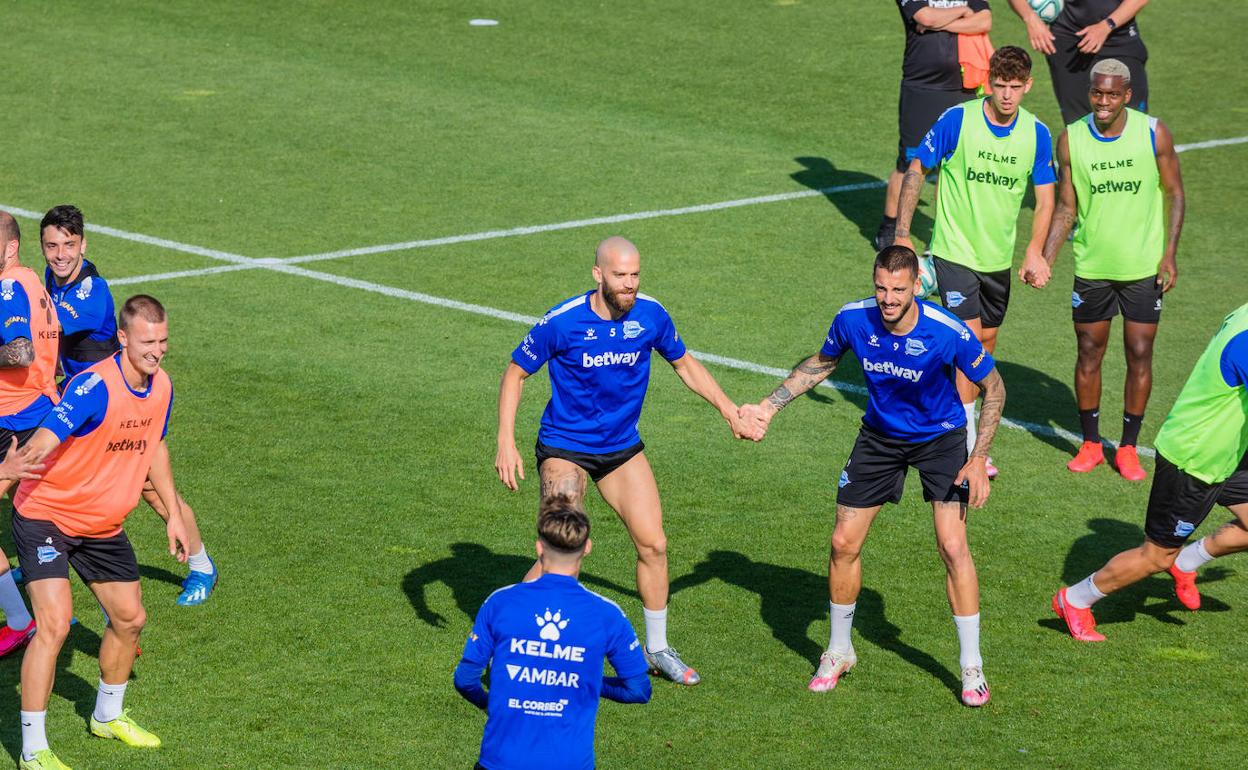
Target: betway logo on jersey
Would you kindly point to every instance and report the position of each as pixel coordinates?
(126, 445)
(547, 650)
(888, 367)
(1127, 185)
(988, 177)
(609, 359)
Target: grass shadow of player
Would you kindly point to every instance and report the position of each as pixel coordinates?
(856, 195)
(160, 574)
(791, 600)
(473, 572)
(68, 685)
(1108, 538)
(1037, 398)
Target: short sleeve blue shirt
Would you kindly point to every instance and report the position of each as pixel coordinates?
(1234, 361)
(942, 140)
(910, 377)
(599, 371)
(15, 323)
(87, 314)
(545, 642)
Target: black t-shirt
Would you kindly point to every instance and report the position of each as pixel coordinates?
(931, 58)
(1077, 14)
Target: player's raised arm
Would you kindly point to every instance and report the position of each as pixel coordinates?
(1066, 205)
(1172, 190)
(699, 380)
(507, 461)
(804, 376)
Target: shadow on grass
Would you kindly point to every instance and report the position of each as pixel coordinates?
(473, 572)
(1036, 397)
(862, 204)
(794, 599)
(160, 574)
(1108, 538)
(68, 685)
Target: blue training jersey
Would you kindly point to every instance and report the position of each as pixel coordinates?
(910, 377)
(599, 371)
(84, 306)
(545, 642)
(83, 405)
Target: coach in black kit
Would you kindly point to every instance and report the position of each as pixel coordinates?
(1085, 32)
(931, 81)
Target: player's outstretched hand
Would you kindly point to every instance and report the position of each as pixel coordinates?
(1092, 37)
(975, 473)
(742, 427)
(1167, 273)
(509, 465)
(1035, 271)
(1040, 35)
(16, 464)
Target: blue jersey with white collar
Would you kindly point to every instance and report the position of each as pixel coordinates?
(910, 377)
(544, 642)
(84, 306)
(599, 371)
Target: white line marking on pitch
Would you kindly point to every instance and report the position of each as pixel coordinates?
(240, 262)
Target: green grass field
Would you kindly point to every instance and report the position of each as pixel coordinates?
(336, 436)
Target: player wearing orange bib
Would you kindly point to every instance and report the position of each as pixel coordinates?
(100, 442)
(28, 352)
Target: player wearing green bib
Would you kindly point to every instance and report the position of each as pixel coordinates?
(1200, 463)
(986, 150)
(1120, 179)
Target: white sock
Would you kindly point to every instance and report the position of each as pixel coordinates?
(108, 701)
(34, 735)
(11, 602)
(1193, 557)
(200, 562)
(970, 426)
(656, 629)
(968, 640)
(842, 623)
(1083, 594)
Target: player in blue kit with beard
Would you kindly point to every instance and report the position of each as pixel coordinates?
(597, 349)
(544, 642)
(909, 350)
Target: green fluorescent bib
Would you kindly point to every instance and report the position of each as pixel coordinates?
(981, 190)
(1206, 433)
(1120, 236)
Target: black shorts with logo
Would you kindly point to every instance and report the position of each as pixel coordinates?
(597, 466)
(7, 435)
(918, 109)
(876, 470)
(46, 552)
(1100, 300)
(970, 294)
(1178, 503)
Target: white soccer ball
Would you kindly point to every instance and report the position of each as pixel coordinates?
(1047, 10)
(927, 276)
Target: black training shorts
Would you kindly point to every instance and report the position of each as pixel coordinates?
(970, 294)
(7, 435)
(597, 466)
(1177, 504)
(1235, 489)
(46, 552)
(876, 471)
(917, 111)
(1099, 300)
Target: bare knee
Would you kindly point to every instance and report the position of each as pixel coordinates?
(652, 549)
(52, 628)
(1091, 352)
(130, 621)
(845, 548)
(954, 551)
(1139, 354)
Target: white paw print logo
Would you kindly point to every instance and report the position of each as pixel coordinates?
(551, 625)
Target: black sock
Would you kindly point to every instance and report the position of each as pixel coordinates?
(888, 221)
(1090, 424)
(1131, 428)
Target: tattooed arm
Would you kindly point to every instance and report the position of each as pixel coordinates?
(807, 375)
(17, 354)
(911, 187)
(975, 472)
(1065, 210)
